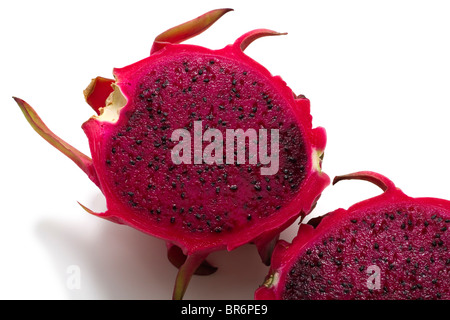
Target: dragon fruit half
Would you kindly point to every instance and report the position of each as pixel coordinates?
(161, 175)
(388, 247)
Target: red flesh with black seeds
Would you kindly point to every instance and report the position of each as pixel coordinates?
(199, 208)
(404, 239)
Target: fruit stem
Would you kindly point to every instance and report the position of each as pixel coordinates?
(185, 273)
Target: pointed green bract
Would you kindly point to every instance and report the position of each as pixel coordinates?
(81, 160)
(185, 274)
(178, 258)
(188, 29)
(245, 40)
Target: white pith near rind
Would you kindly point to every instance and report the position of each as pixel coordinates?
(273, 280)
(114, 103)
(317, 157)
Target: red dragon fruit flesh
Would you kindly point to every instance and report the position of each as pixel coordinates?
(390, 247)
(157, 157)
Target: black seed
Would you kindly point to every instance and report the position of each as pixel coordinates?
(233, 187)
(353, 221)
(221, 107)
(375, 245)
(132, 162)
(257, 187)
(433, 217)
(138, 141)
(108, 161)
(218, 229)
(204, 99)
(172, 220)
(130, 193)
(403, 226)
(249, 217)
(200, 72)
(156, 168)
(361, 268)
(217, 189)
(268, 188)
(183, 195)
(444, 229)
(234, 82)
(211, 62)
(198, 216)
(113, 150)
(194, 79)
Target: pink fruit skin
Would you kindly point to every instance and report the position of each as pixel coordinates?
(195, 246)
(285, 254)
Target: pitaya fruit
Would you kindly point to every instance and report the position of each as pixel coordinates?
(388, 247)
(205, 206)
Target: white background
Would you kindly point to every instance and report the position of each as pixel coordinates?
(377, 74)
